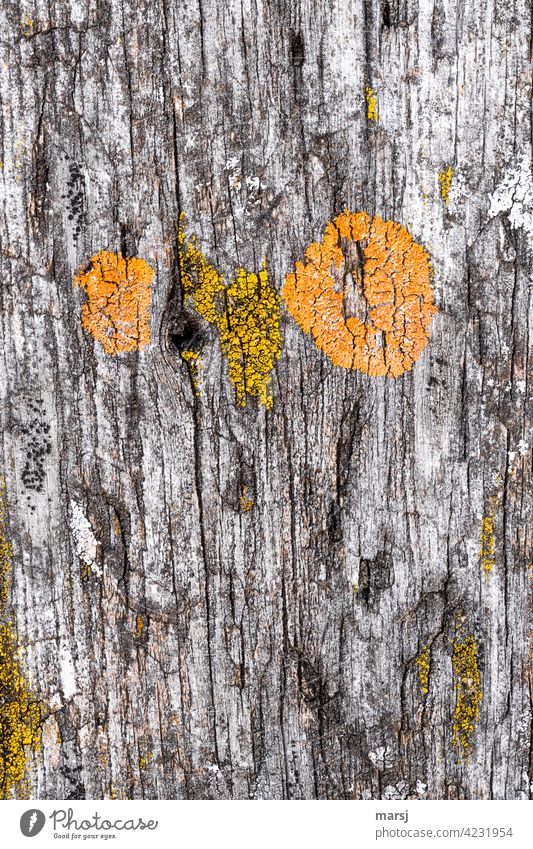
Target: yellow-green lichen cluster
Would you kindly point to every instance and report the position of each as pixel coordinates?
(468, 692)
(371, 104)
(424, 665)
(246, 314)
(487, 540)
(145, 760)
(20, 713)
(445, 183)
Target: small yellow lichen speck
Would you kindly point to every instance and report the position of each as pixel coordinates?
(20, 728)
(26, 26)
(145, 760)
(468, 692)
(424, 665)
(86, 571)
(246, 314)
(445, 182)
(487, 541)
(371, 104)
(20, 713)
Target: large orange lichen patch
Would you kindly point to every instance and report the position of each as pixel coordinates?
(364, 295)
(117, 312)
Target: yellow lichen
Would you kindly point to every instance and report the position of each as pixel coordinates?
(424, 665)
(487, 542)
(21, 718)
(117, 311)
(26, 26)
(114, 794)
(445, 182)
(6, 549)
(246, 314)
(371, 104)
(245, 502)
(468, 692)
(193, 360)
(139, 625)
(364, 295)
(20, 714)
(145, 760)
(86, 571)
(117, 527)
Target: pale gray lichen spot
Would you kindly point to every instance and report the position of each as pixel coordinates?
(85, 542)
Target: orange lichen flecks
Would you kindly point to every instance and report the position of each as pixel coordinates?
(364, 295)
(117, 311)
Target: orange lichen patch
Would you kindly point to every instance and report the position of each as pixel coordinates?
(364, 295)
(246, 314)
(117, 311)
(245, 502)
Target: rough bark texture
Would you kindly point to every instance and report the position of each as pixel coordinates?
(270, 652)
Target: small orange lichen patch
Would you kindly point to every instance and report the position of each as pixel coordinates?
(364, 295)
(117, 311)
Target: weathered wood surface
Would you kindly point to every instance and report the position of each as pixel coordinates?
(267, 653)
